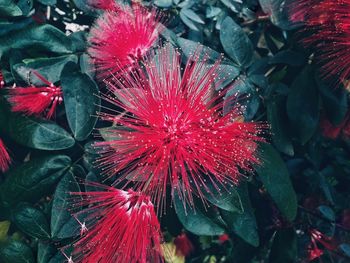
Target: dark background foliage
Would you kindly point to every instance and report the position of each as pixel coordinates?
(302, 185)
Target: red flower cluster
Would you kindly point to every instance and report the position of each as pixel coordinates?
(183, 245)
(2, 82)
(318, 238)
(327, 23)
(36, 100)
(174, 132)
(331, 131)
(122, 37)
(119, 226)
(4, 157)
(103, 4)
(168, 132)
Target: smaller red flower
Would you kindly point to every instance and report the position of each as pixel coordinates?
(327, 242)
(329, 130)
(121, 38)
(103, 4)
(314, 252)
(2, 82)
(36, 101)
(223, 238)
(183, 245)
(119, 226)
(5, 159)
(327, 27)
(332, 132)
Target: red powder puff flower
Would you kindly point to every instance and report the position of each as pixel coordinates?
(173, 132)
(331, 131)
(327, 23)
(121, 38)
(36, 100)
(2, 82)
(183, 245)
(103, 4)
(223, 238)
(119, 226)
(4, 157)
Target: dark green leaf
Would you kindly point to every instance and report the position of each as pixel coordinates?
(45, 252)
(227, 199)
(284, 247)
(31, 221)
(303, 105)
(50, 68)
(63, 224)
(335, 101)
(47, 2)
(80, 100)
(276, 116)
(16, 252)
(288, 57)
(327, 212)
(346, 249)
(275, 177)
(243, 224)
(236, 43)
(38, 134)
(198, 221)
(32, 180)
(43, 37)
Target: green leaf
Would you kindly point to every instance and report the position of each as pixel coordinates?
(335, 101)
(80, 100)
(236, 43)
(288, 57)
(9, 8)
(226, 199)
(198, 221)
(32, 132)
(303, 105)
(31, 221)
(32, 180)
(8, 26)
(276, 116)
(43, 37)
(284, 247)
(63, 224)
(16, 252)
(243, 224)
(49, 68)
(275, 177)
(4, 228)
(228, 71)
(45, 252)
(47, 2)
(163, 3)
(345, 248)
(278, 11)
(187, 20)
(38, 133)
(327, 212)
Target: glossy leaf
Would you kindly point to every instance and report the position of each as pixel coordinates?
(243, 224)
(198, 221)
(16, 252)
(275, 177)
(31, 221)
(236, 43)
(63, 224)
(32, 180)
(80, 100)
